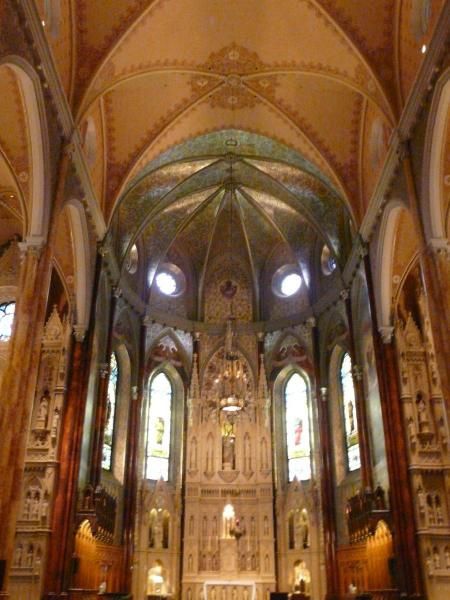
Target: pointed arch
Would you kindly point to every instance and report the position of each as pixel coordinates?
(82, 255)
(38, 217)
(437, 127)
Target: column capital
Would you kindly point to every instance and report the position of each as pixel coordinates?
(386, 333)
(79, 331)
(440, 246)
(32, 245)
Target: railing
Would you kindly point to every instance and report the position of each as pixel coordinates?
(364, 510)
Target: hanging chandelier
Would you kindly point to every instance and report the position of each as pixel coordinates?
(231, 383)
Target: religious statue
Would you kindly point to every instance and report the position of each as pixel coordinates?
(42, 412)
(18, 554)
(159, 430)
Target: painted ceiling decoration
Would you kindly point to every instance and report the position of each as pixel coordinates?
(298, 98)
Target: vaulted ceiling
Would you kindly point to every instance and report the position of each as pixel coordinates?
(281, 109)
(327, 78)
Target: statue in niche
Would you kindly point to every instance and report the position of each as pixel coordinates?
(228, 448)
(245, 594)
(266, 563)
(234, 593)
(214, 527)
(189, 594)
(421, 498)
(436, 558)
(205, 526)
(18, 556)
(42, 412)
(266, 525)
(447, 557)
(27, 505)
(35, 506)
(422, 413)
(252, 527)
(30, 556)
(223, 593)
(44, 508)
(55, 424)
(190, 562)
(213, 593)
(191, 525)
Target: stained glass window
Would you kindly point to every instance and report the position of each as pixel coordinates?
(7, 310)
(350, 420)
(297, 428)
(108, 438)
(158, 428)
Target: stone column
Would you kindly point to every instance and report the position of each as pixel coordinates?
(401, 500)
(326, 475)
(360, 401)
(131, 461)
(102, 397)
(61, 544)
(18, 391)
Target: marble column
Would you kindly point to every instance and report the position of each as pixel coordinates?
(360, 401)
(326, 475)
(131, 461)
(18, 390)
(408, 571)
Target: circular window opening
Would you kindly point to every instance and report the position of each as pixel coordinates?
(132, 260)
(170, 280)
(327, 260)
(286, 281)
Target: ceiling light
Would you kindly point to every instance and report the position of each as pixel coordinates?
(424, 48)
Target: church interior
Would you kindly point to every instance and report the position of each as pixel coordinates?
(225, 299)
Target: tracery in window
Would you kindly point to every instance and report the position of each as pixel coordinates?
(108, 438)
(7, 310)
(350, 420)
(158, 428)
(297, 428)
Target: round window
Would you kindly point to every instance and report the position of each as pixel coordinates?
(170, 280)
(327, 261)
(286, 281)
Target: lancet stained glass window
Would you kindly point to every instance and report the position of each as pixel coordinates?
(350, 420)
(108, 438)
(7, 310)
(297, 428)
(158, 428)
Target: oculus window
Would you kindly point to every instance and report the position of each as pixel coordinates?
(7, 310)
(108, 439)
(349, 410)
(170, 280)
(158, 428)
(298, 434)
(286, 281)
